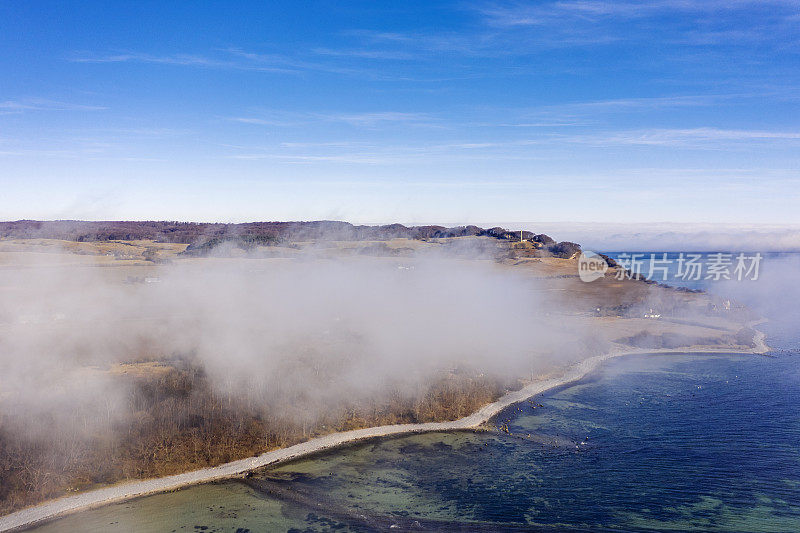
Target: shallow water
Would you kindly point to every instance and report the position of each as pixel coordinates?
(646, 443)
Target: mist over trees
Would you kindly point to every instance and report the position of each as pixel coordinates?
(104, 380)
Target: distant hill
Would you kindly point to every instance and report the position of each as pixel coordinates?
(203, 236)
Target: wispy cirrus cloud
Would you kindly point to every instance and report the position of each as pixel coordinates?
(577, 113)
(232, 58)
(366, 119)
(544, 13)
(177, 59)
(225, 61)
(710, 22)
(432, 44)
(540, 149)
(299, 159)
(655, 102)
(520, 29)
(598, 112)
(43, 104)
(375, 118)
(261, 121)
(551, 116)
(593, 112)
(80, 151)
(366, 53)
(504, 32)
(691, 137)
(378, 153)
(699, 138)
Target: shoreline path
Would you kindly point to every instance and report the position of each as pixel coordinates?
(52, 509)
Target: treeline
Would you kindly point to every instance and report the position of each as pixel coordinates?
(203, 237)
(175, 422)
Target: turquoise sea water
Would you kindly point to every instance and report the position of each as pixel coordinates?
(646, 443)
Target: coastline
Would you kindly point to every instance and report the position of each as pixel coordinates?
(54, 509)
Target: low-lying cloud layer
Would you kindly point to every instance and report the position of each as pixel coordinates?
(308, 334)
(674, 237)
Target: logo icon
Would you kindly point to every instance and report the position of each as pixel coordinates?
(591, 266)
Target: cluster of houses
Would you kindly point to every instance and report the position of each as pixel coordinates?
(139, 279)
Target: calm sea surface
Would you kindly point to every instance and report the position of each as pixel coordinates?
(647, 443)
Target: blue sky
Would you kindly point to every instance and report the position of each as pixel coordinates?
(417, 112)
